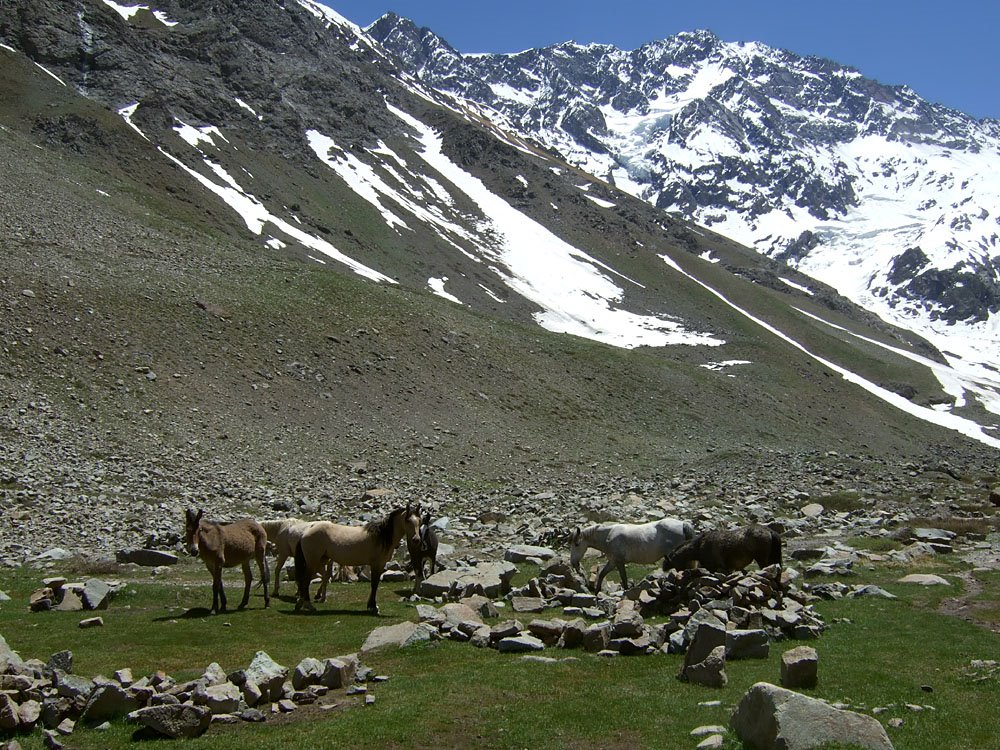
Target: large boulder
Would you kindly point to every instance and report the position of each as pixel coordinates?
(267, 675)
(771, 718)
(178, 720)
(489, 579)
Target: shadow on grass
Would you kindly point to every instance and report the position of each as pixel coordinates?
(197, 613)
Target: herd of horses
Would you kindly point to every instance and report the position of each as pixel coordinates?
(316, 545)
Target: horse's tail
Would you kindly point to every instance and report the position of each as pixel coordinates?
(302, 575)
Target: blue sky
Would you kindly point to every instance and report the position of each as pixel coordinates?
(943, 50)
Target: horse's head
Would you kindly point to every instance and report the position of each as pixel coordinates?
(411, 526)
(192, 520)
(577, 546)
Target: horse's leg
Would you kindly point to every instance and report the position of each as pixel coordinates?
(247, 582)
(279, 563)
(623, 574)
(218, 593)
(433, 562)
(600, 576)
(264, 574)
(327, 575)
(376, 576)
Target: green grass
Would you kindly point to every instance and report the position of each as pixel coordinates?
(876, 653)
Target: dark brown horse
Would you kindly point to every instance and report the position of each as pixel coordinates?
(226, 545)
(424, 549)
(372, 544)
(723, 551)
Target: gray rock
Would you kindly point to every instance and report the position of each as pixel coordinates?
(711, 671)
(92, 622)
(150, 558)
(491, 580)
(96, 594)
(10, 716)
(219, 699)
(924, 579)
(309, 671)
(527, 604)
(268, 675)
(10, 661)
(178, 721)
(519, 644)
(61, 660)
(707, 638)
(772, 718)
(747, 644)
(799, 667)
(525, 552)
(400, 635)
(339, 672)
(110, 702)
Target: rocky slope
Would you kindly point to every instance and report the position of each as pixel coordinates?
(247, 262)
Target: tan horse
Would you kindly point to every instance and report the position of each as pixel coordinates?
(284, 534)
(372, 544)
(226, 545)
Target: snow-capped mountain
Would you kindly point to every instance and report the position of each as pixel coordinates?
(891, 199)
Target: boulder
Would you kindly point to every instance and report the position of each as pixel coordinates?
(526, 552)
(10, 716)
(110, 702)
(219, 699)
(924, 579)
(799, 667)
(308, 672)
(178, 721)
(519, 644)
(10, 662)
(96, 594)
(747, 644)
(491, 580)
(267, 674)
(339, 672)
(711, 671)
(400, 635)
(150, 558)
(771, 718)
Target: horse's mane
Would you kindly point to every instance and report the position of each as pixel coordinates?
(382, 529)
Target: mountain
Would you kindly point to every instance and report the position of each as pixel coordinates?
(889, 198)
(238, 239)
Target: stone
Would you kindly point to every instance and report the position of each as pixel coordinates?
(308, 672)
(526, 552)
(799, 667)
(519, 644)
(61, 660)
(711, 671)
(92, 622)
(771, 718)
(455, 613)
(219, 699)
(268, 675)
(712, 742)
(597, 636)
(10, 661)
(400, 635)
(547, 631)
(812, 510)
(71, 602)
(491, 580)
(110, 702)
(96, 594)
(924, 579)
(871, 590)
(747, 644)
(30, 712)
(150, 558)
(214, 674)
(707, 638)
(178, 721)
(10, 716)
(339, 672)
(527, 604)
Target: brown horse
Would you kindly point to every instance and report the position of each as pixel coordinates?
(372, 544)
(723, 551)
(226, 545)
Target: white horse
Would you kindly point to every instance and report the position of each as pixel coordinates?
(284, 534)
(628, 542)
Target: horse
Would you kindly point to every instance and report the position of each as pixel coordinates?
(425, 548)
(284, 534)
(725, 551)
(372, 544)
(628, 542)
(226, 545)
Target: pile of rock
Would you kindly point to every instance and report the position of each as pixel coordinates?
(59, 594)
(748, 609)
(48, 695)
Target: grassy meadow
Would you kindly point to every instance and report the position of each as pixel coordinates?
(876, 653)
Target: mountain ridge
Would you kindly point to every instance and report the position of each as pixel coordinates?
(243, 196)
